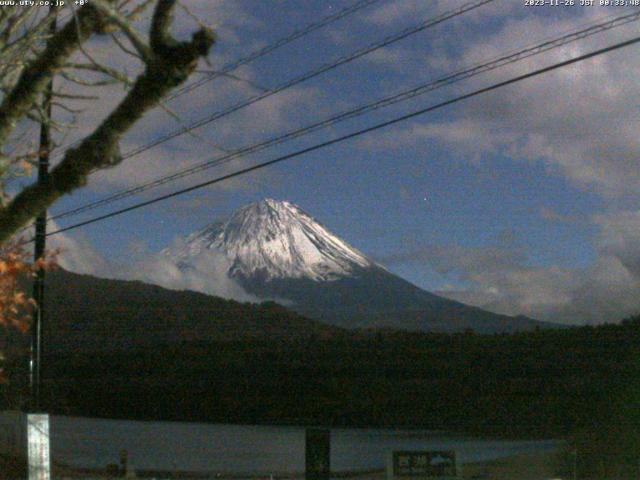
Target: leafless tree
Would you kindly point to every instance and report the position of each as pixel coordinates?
(31, 55)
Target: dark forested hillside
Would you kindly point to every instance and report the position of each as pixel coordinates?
(213, 360)
(375, 298)
(87, 313)
(545, 383)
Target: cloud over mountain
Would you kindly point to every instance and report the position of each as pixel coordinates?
(502, 278)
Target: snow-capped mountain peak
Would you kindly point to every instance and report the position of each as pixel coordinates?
(273, 239)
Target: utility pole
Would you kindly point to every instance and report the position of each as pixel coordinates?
(35, 366)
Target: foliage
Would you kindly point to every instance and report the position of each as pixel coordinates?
(15, 304)
(165, 62)
(38, 45)
(207, 359)
(549, 383)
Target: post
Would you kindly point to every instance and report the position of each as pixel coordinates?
(38, 446)
(35, 365)
(25, 436)
(317, 454)
(37, 423)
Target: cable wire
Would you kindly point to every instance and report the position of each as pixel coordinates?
(227, 69)
(274, 46)
(359, 111)
(355, 134)
(311, 74)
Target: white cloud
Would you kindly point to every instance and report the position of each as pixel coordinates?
(78, 256)
(501, 278)
(73, 253)
(391, 57)
(620, 238)
(250, 125)
(577, 120)
(392, 13)
(209, 275)
(228, 18)
(552, 215)
(399, 11)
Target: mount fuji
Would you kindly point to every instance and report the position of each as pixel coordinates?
(273, 249)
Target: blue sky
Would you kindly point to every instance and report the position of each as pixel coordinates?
(523, 201)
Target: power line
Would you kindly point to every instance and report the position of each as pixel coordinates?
(227, 69)
(358, 133)
(311, 74)
(307, 76)
(274, 46)
(353, 113)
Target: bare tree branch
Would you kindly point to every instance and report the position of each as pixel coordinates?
(123, 47)
(137, 10)
(136, 40)
(170, 64)
(86, 83)
(74, 96)
(35, 77)
(111, 72)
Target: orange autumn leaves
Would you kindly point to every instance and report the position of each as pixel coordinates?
(15, 271)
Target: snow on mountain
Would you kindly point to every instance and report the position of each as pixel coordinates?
(269, 240)
(274, 250)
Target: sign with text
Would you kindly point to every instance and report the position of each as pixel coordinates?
(423, 464)
(26, 436)
(38, 446)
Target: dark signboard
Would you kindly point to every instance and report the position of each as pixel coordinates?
(424, 464)
(317, 454)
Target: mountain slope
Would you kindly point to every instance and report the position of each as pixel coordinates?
(88, 313)
(374, 298)
(275, 250)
